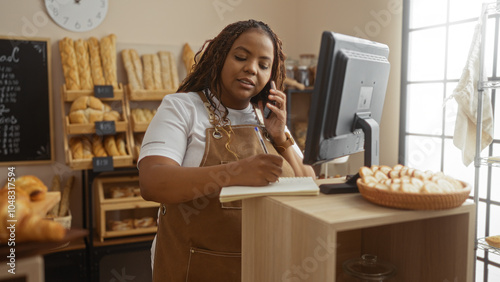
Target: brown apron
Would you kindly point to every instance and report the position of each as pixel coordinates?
(200, 240)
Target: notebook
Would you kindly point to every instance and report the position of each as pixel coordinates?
(296, 186)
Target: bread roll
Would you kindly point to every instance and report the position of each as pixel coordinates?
(493, 241)
(108, 57)
(133, 81)
(95, 61)
(85, 116)
(156, 71)
(84, 102)
(83, 61)
(188, 57)
(120, 144)
(110, 145)
(87, 148)
(147, 62)
(76, 147)
(97, 147)
(69, 64)
(32, 185)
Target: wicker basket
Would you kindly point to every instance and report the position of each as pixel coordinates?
(414, 201)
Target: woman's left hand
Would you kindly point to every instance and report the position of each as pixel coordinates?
(275, 124)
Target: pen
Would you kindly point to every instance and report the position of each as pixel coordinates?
(261, 140)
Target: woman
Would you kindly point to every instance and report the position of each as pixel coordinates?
(203, 138)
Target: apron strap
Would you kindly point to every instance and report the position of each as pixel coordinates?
(211, 114)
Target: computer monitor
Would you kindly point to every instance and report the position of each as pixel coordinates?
(347, 100)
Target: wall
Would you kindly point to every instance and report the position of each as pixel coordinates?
(153, 23)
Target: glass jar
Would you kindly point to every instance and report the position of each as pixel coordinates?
(366, 269)
(290, 67)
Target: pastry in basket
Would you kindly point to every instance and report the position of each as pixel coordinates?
(409, 180)
(120, 225)
(89, 109)
(493, 241)
(144, 222)
(29, 226)
(121, 192)
(30, 184)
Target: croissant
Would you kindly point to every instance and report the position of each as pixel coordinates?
(29, 226)
(32, 185)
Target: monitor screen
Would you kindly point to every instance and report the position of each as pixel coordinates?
(347, 100)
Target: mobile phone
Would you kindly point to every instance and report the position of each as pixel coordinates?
(265, 99)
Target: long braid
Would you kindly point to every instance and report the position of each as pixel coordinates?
(209, 60)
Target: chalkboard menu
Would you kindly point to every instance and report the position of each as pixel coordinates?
(25, 101)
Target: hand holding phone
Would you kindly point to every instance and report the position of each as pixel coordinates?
(267, 111)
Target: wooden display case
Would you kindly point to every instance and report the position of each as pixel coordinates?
(120, 209)
(117, 102)
(141, 98)
(309, 237)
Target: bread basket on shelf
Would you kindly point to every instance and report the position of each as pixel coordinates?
(414, 201)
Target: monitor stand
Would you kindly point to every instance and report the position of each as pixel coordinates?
(371, 130)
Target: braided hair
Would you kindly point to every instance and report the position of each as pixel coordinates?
(209, 60)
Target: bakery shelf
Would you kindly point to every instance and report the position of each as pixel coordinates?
(490, 161)
(71, 95)
(481, 244)
(71, 128)
(84, 164)
(123, 189)
(148, 95)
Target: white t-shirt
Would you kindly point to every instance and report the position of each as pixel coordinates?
(177, 131)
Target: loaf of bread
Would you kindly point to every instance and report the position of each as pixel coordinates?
(121, 192)
(69, 63)
(493, 241)
(110, 145)
(97, 147)
(158, 84)
(404, 179)
(148, 77)
(31, 185)
(29, 226)
(76, 147)
(136, 60)
(83, 62)
(108, 58)
(133, 80)
(144, 222)
(120, 144)
(173, 71)
(89, 109)
(120, 225)
(165, 70)
(188, 57)
(95, 61)
(87, 148)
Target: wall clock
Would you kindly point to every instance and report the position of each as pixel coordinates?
(77, 15)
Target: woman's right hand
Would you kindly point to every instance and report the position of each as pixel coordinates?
(258, 170)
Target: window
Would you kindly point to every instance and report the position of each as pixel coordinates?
(437, 35)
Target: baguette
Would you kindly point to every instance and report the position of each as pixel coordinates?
(156, 72)
(136, 60)
(64, 206)
(133, 81)
(95, 62)
(110, 145)
(166, 76)
(83, 62)
(188, 57)
(87, 148)
(97, 147)
(108, 57)
(120, 144)
(173, 71)
(147, 61)
(56, 187)
(76, 147)
(69, 64)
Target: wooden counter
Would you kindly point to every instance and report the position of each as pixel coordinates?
(307, 238)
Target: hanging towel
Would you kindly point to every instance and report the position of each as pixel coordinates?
(466, 95)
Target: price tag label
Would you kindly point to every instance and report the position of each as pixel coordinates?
(102, 164)
(103, 91)
(105, 128)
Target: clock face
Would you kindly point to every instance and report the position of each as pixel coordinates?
(77, 15)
